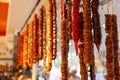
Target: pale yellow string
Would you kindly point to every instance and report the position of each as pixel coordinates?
(112, 7)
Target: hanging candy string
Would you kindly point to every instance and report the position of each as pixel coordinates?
(64, 44)
(75, 24)
(54, 30)
(49, 35)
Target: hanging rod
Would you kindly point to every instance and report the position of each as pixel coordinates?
(29, 15)
(103, 2)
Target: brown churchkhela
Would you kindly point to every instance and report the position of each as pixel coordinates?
(83, 70)
(115, 46)
(96, 23)
(92, 66)
(64, 50)
(96, 34)
(87, 33)
(68, 12)
(109, 49)
(40, 34)
(69, 19)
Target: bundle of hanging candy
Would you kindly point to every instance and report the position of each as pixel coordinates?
(35, 25)
(25, 49)
(30, 45)
(44, 36)
(40, 34)
(20, 51)
(96, 34)
(54, 30)
(87, 33)
(92, 66)
(109, 49)
(115, 46)
(64, 51)
(83, 70)
(69, 19)
(75, 24)
(27, 54)
(49, 35)
(64, 47)
(96, 23)
(36, 37)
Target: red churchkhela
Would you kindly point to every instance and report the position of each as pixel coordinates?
(75, 24)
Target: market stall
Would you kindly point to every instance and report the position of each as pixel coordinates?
(66, 32)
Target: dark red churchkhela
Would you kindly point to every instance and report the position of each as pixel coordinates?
(109, 49)
(75, 24)
(96, 23)
(115, 46)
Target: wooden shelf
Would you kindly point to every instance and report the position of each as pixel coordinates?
(6, 58)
